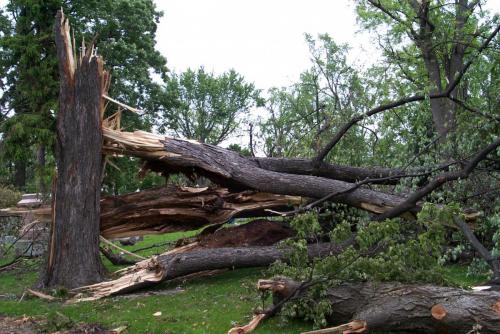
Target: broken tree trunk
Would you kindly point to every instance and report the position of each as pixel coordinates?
(184, 261)
(230, 169)
(73, 257)
(403, 308)
(173, 209)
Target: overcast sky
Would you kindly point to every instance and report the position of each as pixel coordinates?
(261, 39)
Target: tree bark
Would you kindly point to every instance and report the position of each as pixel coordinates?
(404, 308)
(42, 186)
(188, 260)
(173, 209)
(73, 257)
(328, 170)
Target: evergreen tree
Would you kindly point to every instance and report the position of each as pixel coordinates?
(124, 32)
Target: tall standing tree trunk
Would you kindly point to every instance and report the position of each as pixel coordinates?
(73, 258)
(443, 115)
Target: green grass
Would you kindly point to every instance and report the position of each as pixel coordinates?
(456, 274)
(207, 305)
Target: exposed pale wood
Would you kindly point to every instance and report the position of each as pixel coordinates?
(355, 326)
(109, 243)
(41, 295)
(122, 104)
(248, 328)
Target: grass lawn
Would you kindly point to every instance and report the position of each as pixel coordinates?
(203, 305)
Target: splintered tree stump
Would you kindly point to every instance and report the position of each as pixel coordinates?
(73, 258)
(402, 308)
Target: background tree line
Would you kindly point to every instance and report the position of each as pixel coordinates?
(195, 104)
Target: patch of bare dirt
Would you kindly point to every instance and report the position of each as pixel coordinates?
(29, 325)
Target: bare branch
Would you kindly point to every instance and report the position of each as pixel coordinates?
(356, 119)
(412, 200)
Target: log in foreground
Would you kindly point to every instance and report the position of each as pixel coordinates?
(188, 260)
(230, 169)
(400, 308)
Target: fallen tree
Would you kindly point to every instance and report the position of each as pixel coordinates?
(229, 169)
(188, 259)
(171, 209)
(259, 232)
(395, 307)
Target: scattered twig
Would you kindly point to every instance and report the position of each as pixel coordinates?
(153, 246)
(41, 295)
(109, 243)
(122, 104)
(115, 259)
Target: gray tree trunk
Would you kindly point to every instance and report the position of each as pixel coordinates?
(73, 258)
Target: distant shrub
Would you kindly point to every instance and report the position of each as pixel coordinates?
(8, 196)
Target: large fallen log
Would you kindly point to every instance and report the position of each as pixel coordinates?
(230, 169)
(401, 308)
(188, 260)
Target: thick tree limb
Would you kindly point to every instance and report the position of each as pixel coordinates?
(330, 171)
(184, 261)
(493, 262)
(173, 209)
(228, 168)
(404, 308)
